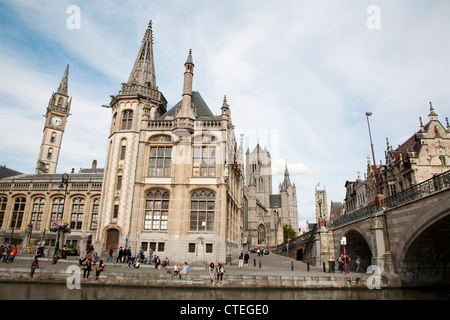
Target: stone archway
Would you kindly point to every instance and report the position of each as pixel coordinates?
(112, 238)
(426, 259)
(357, 246)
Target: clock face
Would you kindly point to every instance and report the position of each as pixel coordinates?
(56, 121)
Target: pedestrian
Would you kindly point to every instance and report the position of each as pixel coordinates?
(358, 265)
(88, 267)
(211, 271)
(341, 263)
(220, 272)
(241, 260)
(157, 262)
(246, 258)
(131, 261)
(120, 255)
(128, 254)
(34, 265)
(150, 256)
(99, 269)
(110, 254)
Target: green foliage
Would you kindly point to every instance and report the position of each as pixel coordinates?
(288, 232)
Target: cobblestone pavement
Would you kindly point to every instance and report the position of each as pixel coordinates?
(267, 265)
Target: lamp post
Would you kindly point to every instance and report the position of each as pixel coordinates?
(343, 243)
(64, 183)
(377, 172)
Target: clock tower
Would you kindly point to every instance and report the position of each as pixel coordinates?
(55, 122)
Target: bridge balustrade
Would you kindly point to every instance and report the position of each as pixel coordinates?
(423, 189)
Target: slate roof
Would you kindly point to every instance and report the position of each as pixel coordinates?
(202, 110)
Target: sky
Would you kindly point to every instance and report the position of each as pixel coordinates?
(299, 76)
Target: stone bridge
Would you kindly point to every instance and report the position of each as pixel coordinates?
(409, 236)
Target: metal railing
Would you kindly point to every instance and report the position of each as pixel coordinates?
(423, 189)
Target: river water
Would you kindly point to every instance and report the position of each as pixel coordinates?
(33, 291)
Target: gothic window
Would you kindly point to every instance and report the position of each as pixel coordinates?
(127, 119)
(57, 209)
(94, 213)
(3, 201)
(202, 211)
(160, 161)
(261, 234)
(76, 219)
(204, 161)
(156, 210)
(119, 182)
(38, 211)
(18, 210)
(49, 153)
(53, 137)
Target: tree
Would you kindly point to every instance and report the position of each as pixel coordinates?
(288, 233)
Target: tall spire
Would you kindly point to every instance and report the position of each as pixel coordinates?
(63, 86)
(186, 110)
(143, 72)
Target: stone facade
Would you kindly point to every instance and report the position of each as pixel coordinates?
(265, 213)
(172, 181)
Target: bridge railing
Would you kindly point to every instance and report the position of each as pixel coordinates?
(423, 189)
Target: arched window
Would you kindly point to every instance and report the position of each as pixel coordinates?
(18, 210)
(94, 213)
(261, 234)
(57, 209)
(156, 210)
(76, 219)
(202, 211)
(3, 202)
(127, 119)
(38, 211)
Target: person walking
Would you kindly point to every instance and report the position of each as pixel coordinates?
(34, 265)
(358, 265)
(246, 258)
(120, 255)
(241, 260)
(110, 254)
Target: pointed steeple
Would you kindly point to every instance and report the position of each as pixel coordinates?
(432, 115)
(186, 110)
(63, 86)
(287, 181)
(143, 72)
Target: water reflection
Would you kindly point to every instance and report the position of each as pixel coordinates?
(32, 291)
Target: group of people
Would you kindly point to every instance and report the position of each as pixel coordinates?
(243, 260)
(87, 260)
(216, 272)
(125, 255)
(8, 253)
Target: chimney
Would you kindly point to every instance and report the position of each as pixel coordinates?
(94, 166)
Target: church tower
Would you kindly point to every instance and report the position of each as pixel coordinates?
(259, 173)
(55, 123)
(138, 101)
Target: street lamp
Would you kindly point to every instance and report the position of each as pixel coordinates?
(378, 196)
(64, 183)
(343, 243)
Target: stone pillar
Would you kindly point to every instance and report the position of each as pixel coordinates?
(381, 256)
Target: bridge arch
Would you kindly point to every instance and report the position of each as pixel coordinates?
(425, 259)
(357, 246)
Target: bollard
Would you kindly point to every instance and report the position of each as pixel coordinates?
(260, 264)
(292, 265)
(254, 263)
(307, 266)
